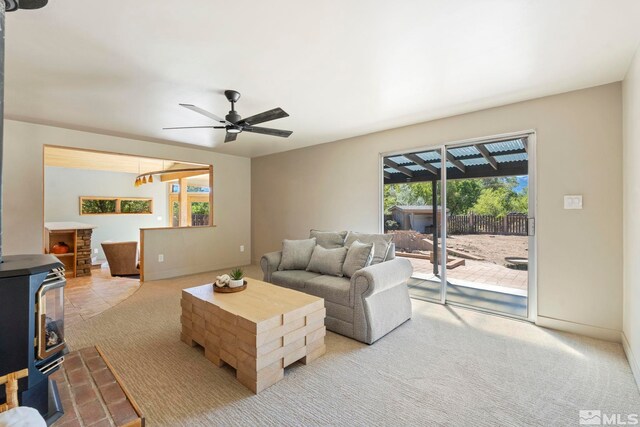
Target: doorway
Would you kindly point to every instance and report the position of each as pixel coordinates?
(464, 215)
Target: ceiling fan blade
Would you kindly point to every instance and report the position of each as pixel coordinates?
(196, 127)
(230, 137)
(268, 131)
(276, 113)
(205, 113)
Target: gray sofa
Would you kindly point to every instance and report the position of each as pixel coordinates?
(365, 307)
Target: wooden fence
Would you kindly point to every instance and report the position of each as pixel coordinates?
(512, 224)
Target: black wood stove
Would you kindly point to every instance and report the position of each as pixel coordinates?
(32, 328)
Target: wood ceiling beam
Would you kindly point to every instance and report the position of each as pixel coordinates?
(457, 163)
(179, 175)
(418, 161)
(487, 156)
(393, 165)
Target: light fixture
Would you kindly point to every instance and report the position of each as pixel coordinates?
(234, 130)
(142, 178)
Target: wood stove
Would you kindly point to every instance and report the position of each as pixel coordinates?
(32, 328)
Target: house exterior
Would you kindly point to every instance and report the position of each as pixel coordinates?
(417, 218)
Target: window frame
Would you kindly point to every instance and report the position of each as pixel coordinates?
(118, 205)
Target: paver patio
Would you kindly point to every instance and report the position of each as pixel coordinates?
(481, 272)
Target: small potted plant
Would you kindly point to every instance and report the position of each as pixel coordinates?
(237, 276)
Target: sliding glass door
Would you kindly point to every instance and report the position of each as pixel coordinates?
(465, 219)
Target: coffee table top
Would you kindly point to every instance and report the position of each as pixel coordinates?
(261, 301)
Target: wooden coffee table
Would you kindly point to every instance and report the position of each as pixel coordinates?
(258, 331)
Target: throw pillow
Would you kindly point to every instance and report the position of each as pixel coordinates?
(359, 256)
(296, 254)
(381, 244)
(329, 239)
(327, 261)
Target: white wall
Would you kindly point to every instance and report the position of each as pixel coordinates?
(631, 190)
(579, 134)
(63, 188)
(213, 248)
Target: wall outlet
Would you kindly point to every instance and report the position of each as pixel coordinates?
(573, 201)
(241, 248)
(161, 258)
(95, 251)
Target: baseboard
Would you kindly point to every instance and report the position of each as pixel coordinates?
(633, 362)
(189, 271)
(580, 329)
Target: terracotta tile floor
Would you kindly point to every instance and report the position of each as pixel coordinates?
(478, 272)
(86, 297)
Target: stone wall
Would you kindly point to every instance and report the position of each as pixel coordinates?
(83, 256)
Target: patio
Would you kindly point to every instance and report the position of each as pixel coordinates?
(475, 273)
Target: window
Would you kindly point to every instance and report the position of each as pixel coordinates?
(115, 205)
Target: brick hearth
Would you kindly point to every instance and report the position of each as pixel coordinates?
(91, 393)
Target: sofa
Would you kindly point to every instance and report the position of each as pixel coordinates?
(366, 306)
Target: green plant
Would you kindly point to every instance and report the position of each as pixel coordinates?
(237, 274)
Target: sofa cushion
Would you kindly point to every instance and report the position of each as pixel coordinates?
(358, 256)
(329, 239)
(296, 254)
(332, 288)
(292, 279)
(327, 261)
(381, 244)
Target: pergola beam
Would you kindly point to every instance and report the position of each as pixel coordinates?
(487, 156)
(418, 161)
(387, 175)
(393, 165)
(457, 163)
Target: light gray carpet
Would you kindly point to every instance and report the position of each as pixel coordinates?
(446, 366)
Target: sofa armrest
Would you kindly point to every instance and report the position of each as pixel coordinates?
(269, 263)
(380, 277)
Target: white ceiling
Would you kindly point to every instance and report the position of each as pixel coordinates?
(339, 68)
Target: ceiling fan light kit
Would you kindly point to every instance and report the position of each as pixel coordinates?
(234, 124)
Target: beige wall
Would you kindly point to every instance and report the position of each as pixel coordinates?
(631, 150)
(579, 134)
(186, 250)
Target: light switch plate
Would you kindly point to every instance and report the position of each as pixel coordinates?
(573, 201)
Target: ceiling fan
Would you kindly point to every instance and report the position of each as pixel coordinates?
(234, 124)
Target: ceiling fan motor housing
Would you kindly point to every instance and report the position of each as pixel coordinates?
(233, 117)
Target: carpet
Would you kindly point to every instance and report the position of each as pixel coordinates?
(446, 366)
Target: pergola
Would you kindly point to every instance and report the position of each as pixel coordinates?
(497, 158)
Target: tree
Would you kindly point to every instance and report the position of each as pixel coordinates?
(462, 195)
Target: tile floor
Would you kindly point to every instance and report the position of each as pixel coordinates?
(88, 296)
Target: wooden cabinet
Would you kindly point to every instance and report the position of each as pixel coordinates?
(76, 235)
(70, 238)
